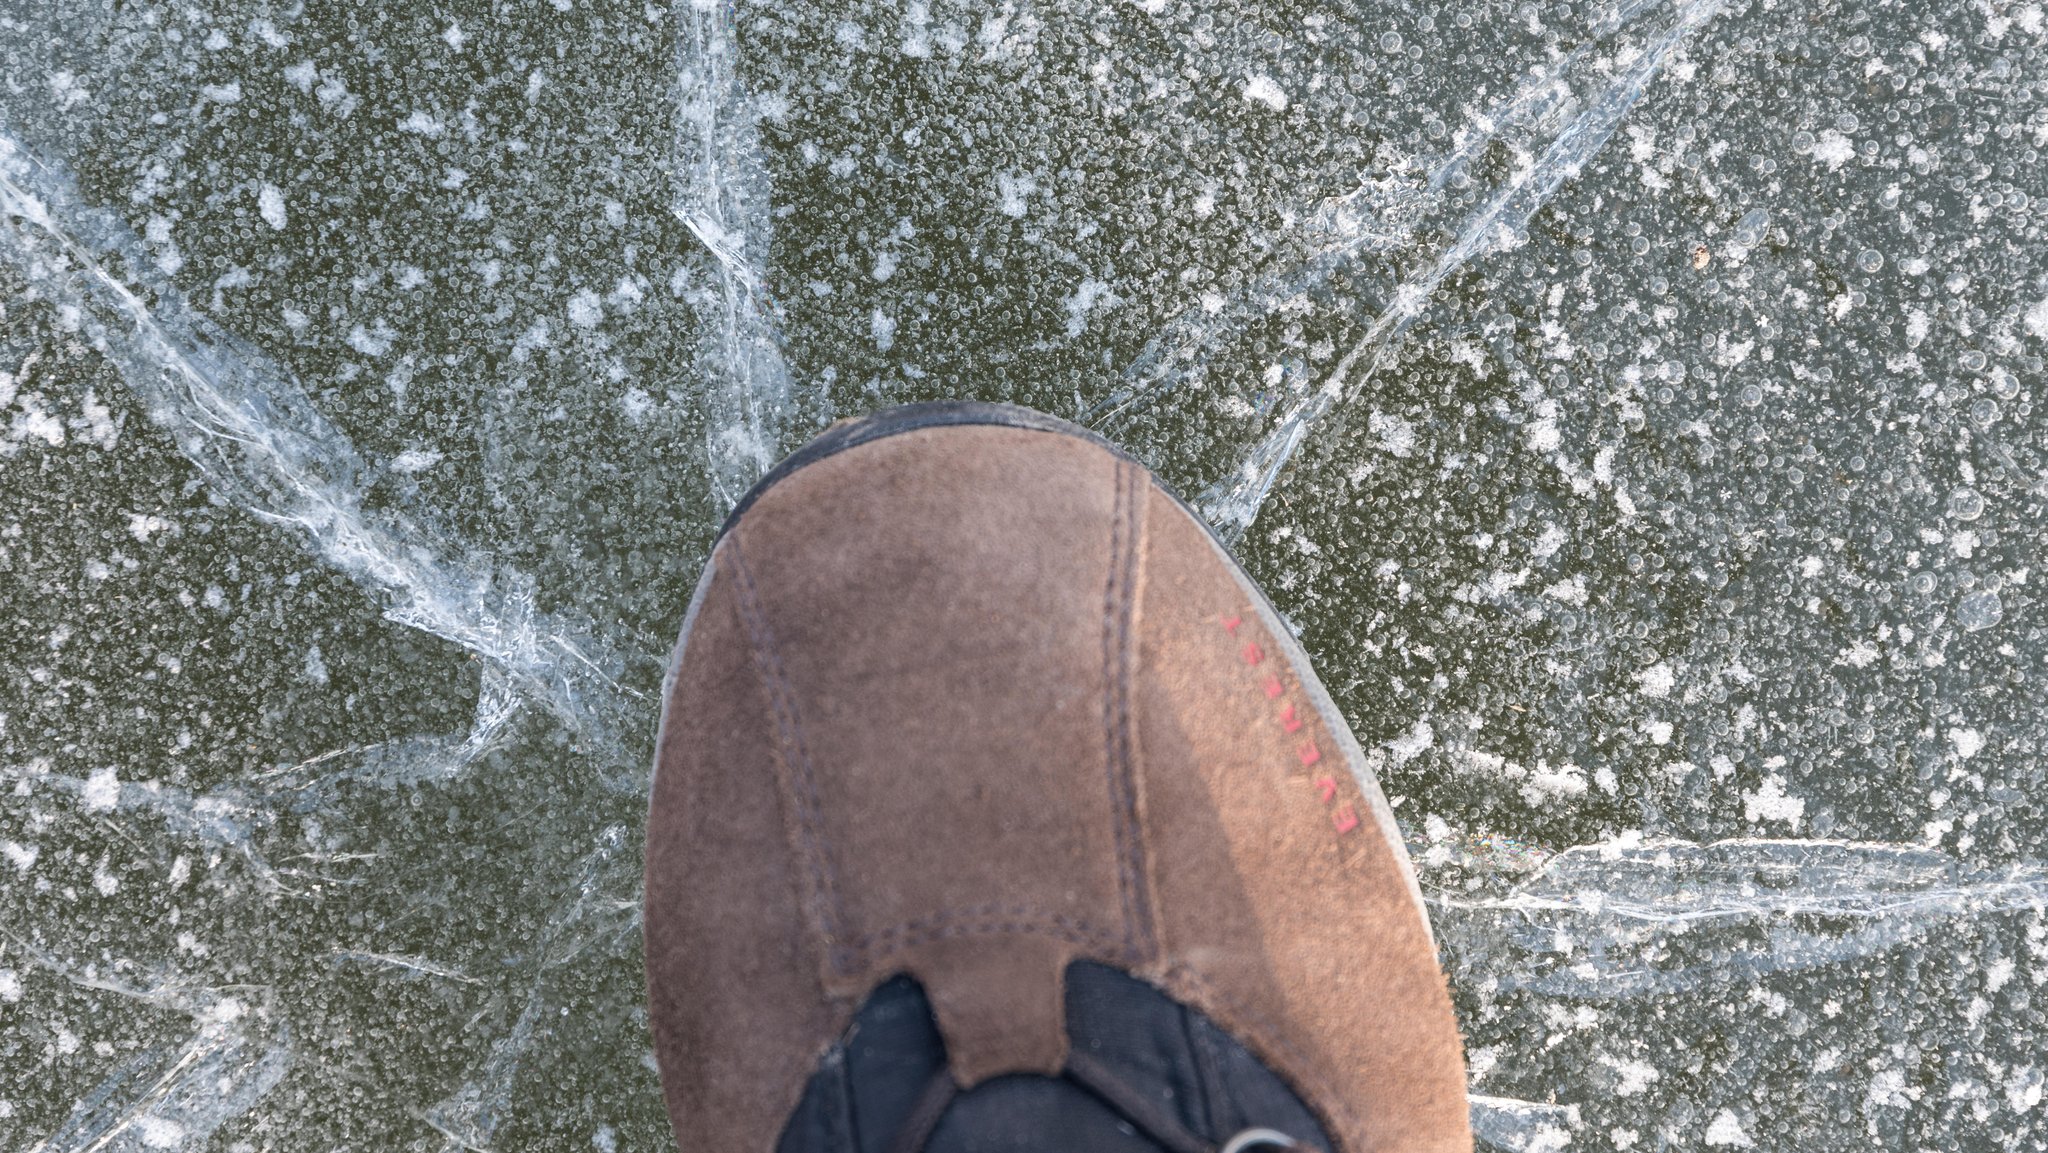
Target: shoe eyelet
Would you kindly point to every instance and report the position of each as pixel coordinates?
(1252, 1139)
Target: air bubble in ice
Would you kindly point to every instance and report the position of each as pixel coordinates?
(1965, 504)
(1870, 260)
(1749, 232)
(1979, 610)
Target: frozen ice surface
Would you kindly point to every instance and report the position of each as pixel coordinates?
(1633, 405)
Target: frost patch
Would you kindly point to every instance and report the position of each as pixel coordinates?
(1264, 90)
(1966, 742)
(2037, 320)
(68, 90)
(374, 340)
(102, 789)
(270, 206)
(1394, 434)
(22, 857)
(421, 124)
(1086, 298)
(585, 310)
(143, 527)
(1771, 803)
(160, 1132)
(1546, 784)
(1833, 149)
(1011, 192)
(1407, 747)
(415, 460)
(1724, 1129)
(1635, 1076)
(1656, 681)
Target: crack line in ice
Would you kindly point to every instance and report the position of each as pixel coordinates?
(468, 1117)
(722, 196)
(237, 1055)
(410, 964)
(1619, 920)
(262, 443)
(224, 820)
(1234, 502)
(1518, 1126)
(1379, 217)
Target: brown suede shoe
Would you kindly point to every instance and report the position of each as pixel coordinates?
(966, 695)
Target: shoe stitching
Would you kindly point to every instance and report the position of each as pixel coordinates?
(1120, 829)
(796, 758)
(1135, 481)
(898, 938)
(1119, 607)
(985, 913)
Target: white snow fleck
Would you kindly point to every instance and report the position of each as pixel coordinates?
(882, 327)
(229, 93)
(585, 310)
(1546, 784)
(1770, 803)
(1411, 744)
(1656, 681)
(22, 857)
(314, 669)
(1011, 191)
(1636, 1076)
(1090, 294)
(1726, 1130)
(422, 124)
(10, 986)
(104, 880)
(142, 527)
(1571, 592)
(1394, 434)
(1833, 149)
(270, 205)
(1966, 742)
(455, 37)
(374, 340)
(1264, 90)
(2037, 320)
(160, 1132)
(68, 90)
(102, 790)
(415, 460)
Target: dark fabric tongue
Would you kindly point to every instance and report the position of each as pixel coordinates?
(1145, 1074)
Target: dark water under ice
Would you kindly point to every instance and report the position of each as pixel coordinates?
(1634, 407)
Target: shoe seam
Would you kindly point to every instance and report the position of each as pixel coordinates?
(1118, 611)
(798, 775)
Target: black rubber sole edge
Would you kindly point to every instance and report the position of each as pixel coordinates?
(910, 418)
